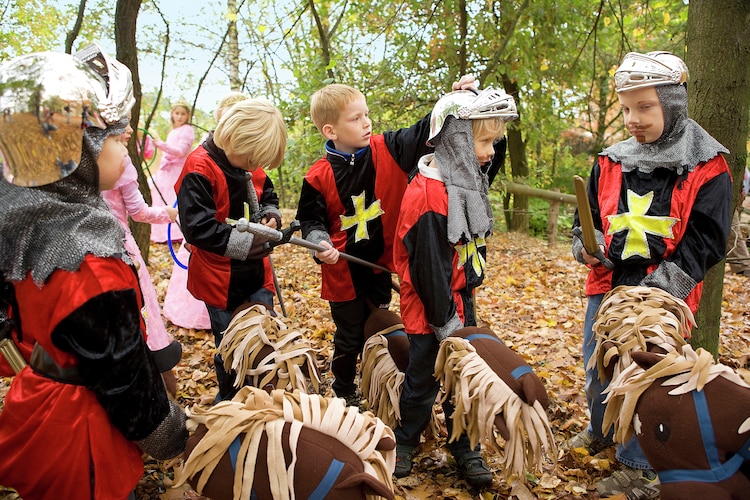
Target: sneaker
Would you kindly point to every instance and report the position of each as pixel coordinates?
(635, 484)
(404, 460)
(353, 399)
(585, 440)
(474, 470)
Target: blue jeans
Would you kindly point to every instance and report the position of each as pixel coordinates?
(419, 393)
(220, 319)
(630, 453)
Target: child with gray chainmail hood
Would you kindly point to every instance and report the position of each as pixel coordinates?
(91, 400)
(439, 254)
(661, 205)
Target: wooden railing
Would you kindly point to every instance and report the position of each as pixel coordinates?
(554, 197)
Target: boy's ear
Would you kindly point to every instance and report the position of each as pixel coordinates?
(328, 132)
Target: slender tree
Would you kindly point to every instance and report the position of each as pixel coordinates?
(126, 22)
(719, 99)
(70, 38)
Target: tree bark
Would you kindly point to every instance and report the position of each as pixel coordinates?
(519, 167)
(126, 22)
(70, 38)
(719, 99)
(233, 57)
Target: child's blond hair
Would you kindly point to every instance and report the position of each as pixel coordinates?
(494, 126)
(256, 128)
(326, 103)
(228, 101)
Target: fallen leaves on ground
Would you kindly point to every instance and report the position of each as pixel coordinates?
(532, 297)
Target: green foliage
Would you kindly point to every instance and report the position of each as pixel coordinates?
(28, 26)
(539, 217)
(402, 55)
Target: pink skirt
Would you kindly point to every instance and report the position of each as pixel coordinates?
(180, 307)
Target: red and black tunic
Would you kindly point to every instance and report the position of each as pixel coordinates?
(437, 277)
(209, 191)
(89, 321)
(651, 218)
(355, 199)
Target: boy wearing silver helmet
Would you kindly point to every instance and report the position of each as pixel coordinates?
(661, 203)
(77, 419)
(439, 253)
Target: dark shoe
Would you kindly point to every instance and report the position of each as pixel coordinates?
(585, 440)
(353, 399)
(404, 460)
(635, 484)
(474, 470)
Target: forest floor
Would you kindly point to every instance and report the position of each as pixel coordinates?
(532, 298)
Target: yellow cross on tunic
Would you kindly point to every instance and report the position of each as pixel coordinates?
(470, 251)
(361, 217)
(638, 224)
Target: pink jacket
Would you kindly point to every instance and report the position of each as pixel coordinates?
(125, 199)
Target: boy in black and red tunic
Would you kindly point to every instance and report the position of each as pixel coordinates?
(350, 202)
(439, 253)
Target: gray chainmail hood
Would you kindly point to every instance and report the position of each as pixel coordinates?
(55, 226)
(681, 147)
(469, 209)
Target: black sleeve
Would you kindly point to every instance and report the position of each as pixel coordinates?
(269, 203)
(115, 362)
(408, 145)
(197, 209)
(431, 267)
(311, 210)
(269, 196)
(592, 189)
(705, 240)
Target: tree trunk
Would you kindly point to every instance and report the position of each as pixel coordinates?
(70, 38)
(233, 57)
(519, 167)
(126, 22)
(719, 99)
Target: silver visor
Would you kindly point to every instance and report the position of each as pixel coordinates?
(47, 100)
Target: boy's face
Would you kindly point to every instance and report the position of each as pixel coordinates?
(353, 129)
(483, 146)
(111, 162)
(643, 115)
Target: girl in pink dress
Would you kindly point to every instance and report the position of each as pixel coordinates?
(178, 145)
(123, 200)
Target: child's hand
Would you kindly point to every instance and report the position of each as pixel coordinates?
(154, 136)
(330, 256)
(270, 222)
(590, 259)
(466, 82)
(172, 213)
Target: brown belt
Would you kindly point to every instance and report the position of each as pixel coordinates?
(43, 364)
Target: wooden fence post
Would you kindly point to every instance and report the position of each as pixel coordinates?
(554, 209)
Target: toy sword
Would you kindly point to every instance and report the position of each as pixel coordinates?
(277, 237)
(586, 231)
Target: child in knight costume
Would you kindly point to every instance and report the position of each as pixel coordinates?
(78, 418)
(349, 202)
(439, 253)
(224, 178)
(661, 205)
